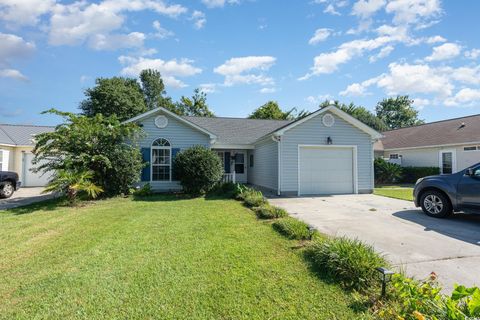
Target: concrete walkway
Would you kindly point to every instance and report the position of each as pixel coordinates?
(411, 240)
(24, 196)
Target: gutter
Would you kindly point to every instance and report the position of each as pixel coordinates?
(278, 140)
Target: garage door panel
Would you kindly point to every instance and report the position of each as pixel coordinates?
(326, 170)
(33, 179)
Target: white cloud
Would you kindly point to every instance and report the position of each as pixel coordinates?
(365, 8)
(435, 39)
(77, 22)
(218, 3)
(268, 90)
(331, 10)
(472, 54)
(467, 75)
(465, 97)
(208, 87)
(199, 19)
(316, 100)
(24, 12)
(246, 70)
(420, 103)
(170, 70)
(417, 12)
(116, 41)
(161, 32)
(320, 35)
(13, 74)
(384, 52)
(444, 52)
(355, 89)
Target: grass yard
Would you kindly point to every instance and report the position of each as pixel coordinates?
(397, 192)
(161, 258)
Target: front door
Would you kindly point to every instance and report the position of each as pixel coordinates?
(240, 166)
(469, 190)
(447, 162)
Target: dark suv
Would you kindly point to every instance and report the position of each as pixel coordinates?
(439, 196)
(8, 184)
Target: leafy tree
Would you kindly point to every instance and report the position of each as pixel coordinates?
(71, 183)
(360, 113)
(154, 90)
(118, 96)
(198, 168)
(271, 110)
(398, 112)
(95, 144)
(194, 106)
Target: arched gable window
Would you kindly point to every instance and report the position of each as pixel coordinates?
(161, 160)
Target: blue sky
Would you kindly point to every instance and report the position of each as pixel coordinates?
(243, 52)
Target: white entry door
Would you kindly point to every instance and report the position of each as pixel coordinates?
(326, 170)
(240, 166)
(30, 178)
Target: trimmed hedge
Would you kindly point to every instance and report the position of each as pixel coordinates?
(350, 261)
(293, 228)
(267, 211)
(412, 174)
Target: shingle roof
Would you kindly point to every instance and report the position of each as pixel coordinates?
(20, 135)
(452, 131)
(238, 130)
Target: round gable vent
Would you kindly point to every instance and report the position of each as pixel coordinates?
(328, 120)
(161, 122)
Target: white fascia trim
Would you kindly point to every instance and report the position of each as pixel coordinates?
(432, 146)
(232, 146)
(173, 115)
(8, 145)
(345, 116)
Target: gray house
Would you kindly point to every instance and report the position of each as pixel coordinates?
(327, 152)
(452, 145)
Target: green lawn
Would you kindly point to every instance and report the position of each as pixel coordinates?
(165, 258)
(397, 192)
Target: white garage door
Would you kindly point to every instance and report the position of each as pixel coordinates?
(326, 170)
(31, 179)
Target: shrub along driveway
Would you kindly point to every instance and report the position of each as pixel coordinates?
(159, 258)
(409, 238)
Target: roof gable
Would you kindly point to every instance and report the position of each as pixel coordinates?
(463, 130)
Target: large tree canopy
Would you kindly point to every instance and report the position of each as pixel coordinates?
(154, 90)
(194, 106)
(95, 144)
(271, 110)
(360, 113)
(118, 96)
(398, 112)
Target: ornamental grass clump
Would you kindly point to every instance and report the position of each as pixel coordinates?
(267, 211)
(293, 228)
(349, 261)
(253, 198)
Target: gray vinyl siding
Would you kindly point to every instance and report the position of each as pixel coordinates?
(179, 134)
(314, 132)
(264, 172)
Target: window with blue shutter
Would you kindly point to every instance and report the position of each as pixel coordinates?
(227, 162)
(146, 159)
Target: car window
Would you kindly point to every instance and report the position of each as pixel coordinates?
(476, 172)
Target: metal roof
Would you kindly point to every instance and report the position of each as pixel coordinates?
(238, 130)
(20, 135)
(447, 132)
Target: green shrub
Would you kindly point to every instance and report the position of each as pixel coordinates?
(267, 211)
(144, 191)
(351, 262)
(386, 172)
(412, 174)
(293, 228)
(198, 168)
(253, 198)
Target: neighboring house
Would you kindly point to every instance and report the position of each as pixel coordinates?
(326, 152)
(16, 145)
(452, 145)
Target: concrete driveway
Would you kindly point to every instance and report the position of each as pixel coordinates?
(23, 197)
(411, 240)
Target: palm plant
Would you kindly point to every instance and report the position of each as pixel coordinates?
(72, 182)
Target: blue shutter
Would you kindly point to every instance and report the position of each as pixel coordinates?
(146, 159)
(227, 162)
(174, 154)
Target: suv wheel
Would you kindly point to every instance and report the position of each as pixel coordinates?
(7, 190)
(436, 204)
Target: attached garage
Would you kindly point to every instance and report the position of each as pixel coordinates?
(327, 170)
(30, 178)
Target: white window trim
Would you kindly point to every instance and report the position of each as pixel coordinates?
(454, 160)
(477, 148)
(394, 154)
(321, 146)
(161, 165)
